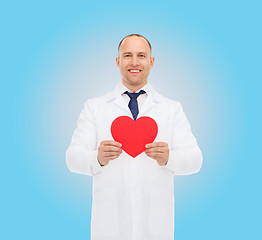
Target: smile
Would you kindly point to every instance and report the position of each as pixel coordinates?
(134, 70)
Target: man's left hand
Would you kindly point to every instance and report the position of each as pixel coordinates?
(158, 151)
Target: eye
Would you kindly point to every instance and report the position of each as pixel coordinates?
(142, 55)
(127, 55)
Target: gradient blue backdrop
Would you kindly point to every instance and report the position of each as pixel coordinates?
(56, 54)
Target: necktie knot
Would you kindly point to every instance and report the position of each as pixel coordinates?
(134, 95)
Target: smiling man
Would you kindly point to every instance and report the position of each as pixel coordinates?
(135, 61)
(133, 197)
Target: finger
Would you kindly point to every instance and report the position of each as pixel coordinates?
(156, 149)
(111, 143)
(112, 149)
(156, 156)
(156, 144)
(112, 157)
(110, 154)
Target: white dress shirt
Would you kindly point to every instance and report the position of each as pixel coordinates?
(140, 99)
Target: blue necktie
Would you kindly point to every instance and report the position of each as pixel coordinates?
(133, 105)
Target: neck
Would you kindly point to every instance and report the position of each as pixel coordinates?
(134, 88)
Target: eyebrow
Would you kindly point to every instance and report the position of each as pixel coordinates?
(132, 53)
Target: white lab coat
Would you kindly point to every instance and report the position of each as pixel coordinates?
(133, 198)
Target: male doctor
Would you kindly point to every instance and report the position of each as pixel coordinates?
(133, 197)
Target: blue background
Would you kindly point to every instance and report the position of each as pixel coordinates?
(56, 54)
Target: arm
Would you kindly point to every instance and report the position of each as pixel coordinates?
(81, 155)
(185, 156)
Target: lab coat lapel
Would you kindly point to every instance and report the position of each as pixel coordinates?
(148, 104)
(119, 102)
(152, 99)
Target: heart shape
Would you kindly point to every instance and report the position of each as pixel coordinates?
(134, 135)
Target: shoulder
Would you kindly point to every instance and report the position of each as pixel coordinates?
(97, 102)
(172, 106)
(100, 99)
(167, 102)
(171, 102)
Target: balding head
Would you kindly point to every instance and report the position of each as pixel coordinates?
(134, 35)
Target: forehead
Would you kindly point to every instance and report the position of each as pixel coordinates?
(134, 44)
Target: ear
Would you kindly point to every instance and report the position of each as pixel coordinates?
(152, 61)
(117, 61)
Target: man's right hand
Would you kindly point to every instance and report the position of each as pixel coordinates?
(107, 151)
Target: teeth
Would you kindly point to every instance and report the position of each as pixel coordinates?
(134, 70)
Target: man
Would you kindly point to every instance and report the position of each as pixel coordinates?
(133, 197)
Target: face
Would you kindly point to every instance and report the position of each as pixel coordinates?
(134, 62)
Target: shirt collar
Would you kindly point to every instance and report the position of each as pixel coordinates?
(121, 88)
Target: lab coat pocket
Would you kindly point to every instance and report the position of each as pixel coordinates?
(161, 213)
(104, 213)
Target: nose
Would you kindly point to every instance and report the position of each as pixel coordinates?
(135, 61)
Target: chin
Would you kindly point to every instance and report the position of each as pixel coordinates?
(137, 82)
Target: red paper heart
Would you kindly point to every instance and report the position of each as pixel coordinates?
(134, 135)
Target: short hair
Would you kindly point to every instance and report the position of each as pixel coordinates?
(137, 35)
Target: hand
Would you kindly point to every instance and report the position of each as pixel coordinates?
(158, 151)
(107, 151)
